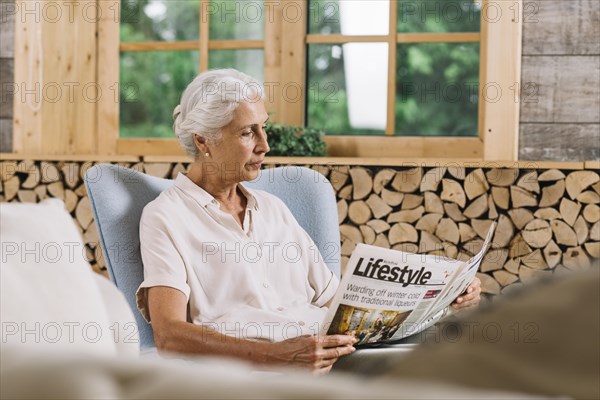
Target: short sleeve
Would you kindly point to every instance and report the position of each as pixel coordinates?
(163, 264)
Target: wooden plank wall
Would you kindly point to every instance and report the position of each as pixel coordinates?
(560, 100)
(7, 29)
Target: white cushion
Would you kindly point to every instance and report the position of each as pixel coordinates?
(49, 297)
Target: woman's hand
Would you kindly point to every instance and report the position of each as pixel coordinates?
(470, 298)
(312, 352)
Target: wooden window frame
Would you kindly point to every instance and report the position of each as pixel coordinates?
(285, 52)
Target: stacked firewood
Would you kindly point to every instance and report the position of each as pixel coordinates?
(548, 220)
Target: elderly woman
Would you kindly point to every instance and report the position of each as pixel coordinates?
(216, 278)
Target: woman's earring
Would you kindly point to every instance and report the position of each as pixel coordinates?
(206, 154)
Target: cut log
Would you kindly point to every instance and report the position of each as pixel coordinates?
(466, 232)
(348, 247)
(504, 278)
(71, 200)
(344, 265)
(537, 233)
(342, 209)
(359, 212)
(596, 187)
(504, 232)
(391, 197)
(529, 275)
(99, 258)
(409, 216)
(382, 241)
(411, 201)
(552, 254)
(512, 265)
(83, 213)
(576, 259)
(591, 213)
(595, 232)
(90, 236)
(56, 189)
(477, 207)
(71, 174)
(529, 182)
(437, 253)
(453, 212)
(49, 172)
(7, 170)
(26, 196)
(577, 181)
(338, 179)
(408, 181)
(552, 194)
(518, 247)
(581, 230)
(176, 170)
(463, 256)
(429, 243)
(362, 182)
(402, 232)
(551, 175)
(473, 247)
(81, 190)
(481, 226)
(432, 179)
(522, 198)
(33, 178)
(368, 234)
(429, 222)
(378, 225)
(520, 217)
(321, 169)
(563, 233)
(488, 284)
(534, 260)
(379, 208)
(492, 212)
(447, 230)
(502, 176)
(433, 204)
(41, 192)
(351, 232)
(453, 192)
(593, 249)
(476, 184)
(382, 178)
(588, 197)
(451, 250)
(407, 247)
(457, 172)
(11, 187)
(569, 210)
(494, 260)
(345, 192)
(501, 197)
(547, 213)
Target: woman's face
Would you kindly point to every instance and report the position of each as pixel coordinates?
(240, 152)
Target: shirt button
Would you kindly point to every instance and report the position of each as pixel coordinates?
(280, 308)
(301, 323)
(266, 285)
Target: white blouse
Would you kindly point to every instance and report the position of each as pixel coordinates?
(265, 280)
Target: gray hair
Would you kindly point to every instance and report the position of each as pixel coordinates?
(208, 104)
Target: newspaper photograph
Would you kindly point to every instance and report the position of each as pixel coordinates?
(388, 294)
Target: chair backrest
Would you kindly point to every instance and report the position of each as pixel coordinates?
(118, 195)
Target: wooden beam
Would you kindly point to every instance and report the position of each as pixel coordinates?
(390, 126)
(503, 76)
(204, 34)
(191, 45)
(272, 61)
(438, 37)
(340, 39)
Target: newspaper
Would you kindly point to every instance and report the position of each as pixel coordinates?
(388, 294)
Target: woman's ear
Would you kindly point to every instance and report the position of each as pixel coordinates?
(200, 142)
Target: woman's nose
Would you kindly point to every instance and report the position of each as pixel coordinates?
(262, 145)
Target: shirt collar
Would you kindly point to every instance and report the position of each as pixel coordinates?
(204, 198)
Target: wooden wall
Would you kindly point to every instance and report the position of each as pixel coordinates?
(7, 28)
(560, 103)
(548, 216)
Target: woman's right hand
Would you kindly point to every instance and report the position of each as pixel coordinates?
(312, 352)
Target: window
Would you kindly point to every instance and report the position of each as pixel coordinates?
(382, 78)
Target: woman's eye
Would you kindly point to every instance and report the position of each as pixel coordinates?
(248, 133)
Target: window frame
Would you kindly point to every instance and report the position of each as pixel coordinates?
(285, 52)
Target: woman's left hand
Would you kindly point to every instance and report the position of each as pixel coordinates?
(470, 298)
